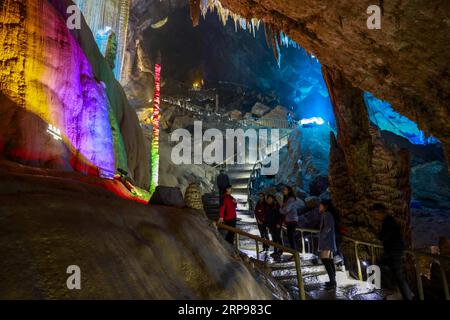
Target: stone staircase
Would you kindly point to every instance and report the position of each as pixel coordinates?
(314, 277)
(283, 270)
(239, 176)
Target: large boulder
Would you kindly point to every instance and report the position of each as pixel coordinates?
(168, 196)
(125, 250)
(182, 122)
(260, 109)
(431, 185)
(279, 112)
(234, 115)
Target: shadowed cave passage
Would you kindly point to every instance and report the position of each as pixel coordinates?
(93, 118)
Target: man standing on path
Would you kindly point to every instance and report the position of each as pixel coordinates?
(222, 182)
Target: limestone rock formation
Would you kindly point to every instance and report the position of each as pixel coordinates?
(125, 250)
(279, 112)
(183, 175)
(364, 172)
(260, 109)
(431, 185)
(193, 197)
(234, 115)
(306, 157)
(69, 111)
(405, 62)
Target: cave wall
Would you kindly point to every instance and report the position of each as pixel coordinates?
(406, 62)
(364, 171)
(51, 75)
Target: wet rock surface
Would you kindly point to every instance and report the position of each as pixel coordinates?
(125, 250)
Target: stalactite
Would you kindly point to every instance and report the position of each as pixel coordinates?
(195, 8)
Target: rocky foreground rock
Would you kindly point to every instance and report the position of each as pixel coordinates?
(126, 250)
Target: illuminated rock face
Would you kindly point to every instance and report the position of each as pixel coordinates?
(57, 86)
(104, 15)
(52, 76)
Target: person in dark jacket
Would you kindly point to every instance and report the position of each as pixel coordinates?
(260, 215)
(222, 182)
(273, 221)
(327, 242)
(227, 212)
(289, 211)
(394, 249)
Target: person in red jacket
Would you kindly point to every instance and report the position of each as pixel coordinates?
(260, 215)
(227, 213)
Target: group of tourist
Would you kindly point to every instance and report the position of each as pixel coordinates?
(271, 216)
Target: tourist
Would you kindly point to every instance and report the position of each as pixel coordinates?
(289, 211)
(273, 222)
(327, 242)
(227, 212)
(260, 215)
(222, 182)
(394, 248)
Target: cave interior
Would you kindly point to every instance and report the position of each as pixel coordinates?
(89, 113)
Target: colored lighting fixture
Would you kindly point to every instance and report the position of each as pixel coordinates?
(156, 114)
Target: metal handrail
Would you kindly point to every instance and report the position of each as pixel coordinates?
(295, 253)
(259, 162)
(413, 253)
(302, 232)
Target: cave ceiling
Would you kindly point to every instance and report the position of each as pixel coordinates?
(406, 62)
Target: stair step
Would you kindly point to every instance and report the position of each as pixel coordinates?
(239, 175)
(239, 185)
(240, 167)
(241, 192)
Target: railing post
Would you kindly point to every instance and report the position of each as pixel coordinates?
(358, 263)
(301, 288)
(257, 249)
(303, 242)
(444, 282)
(418, 278)
(372, 252)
